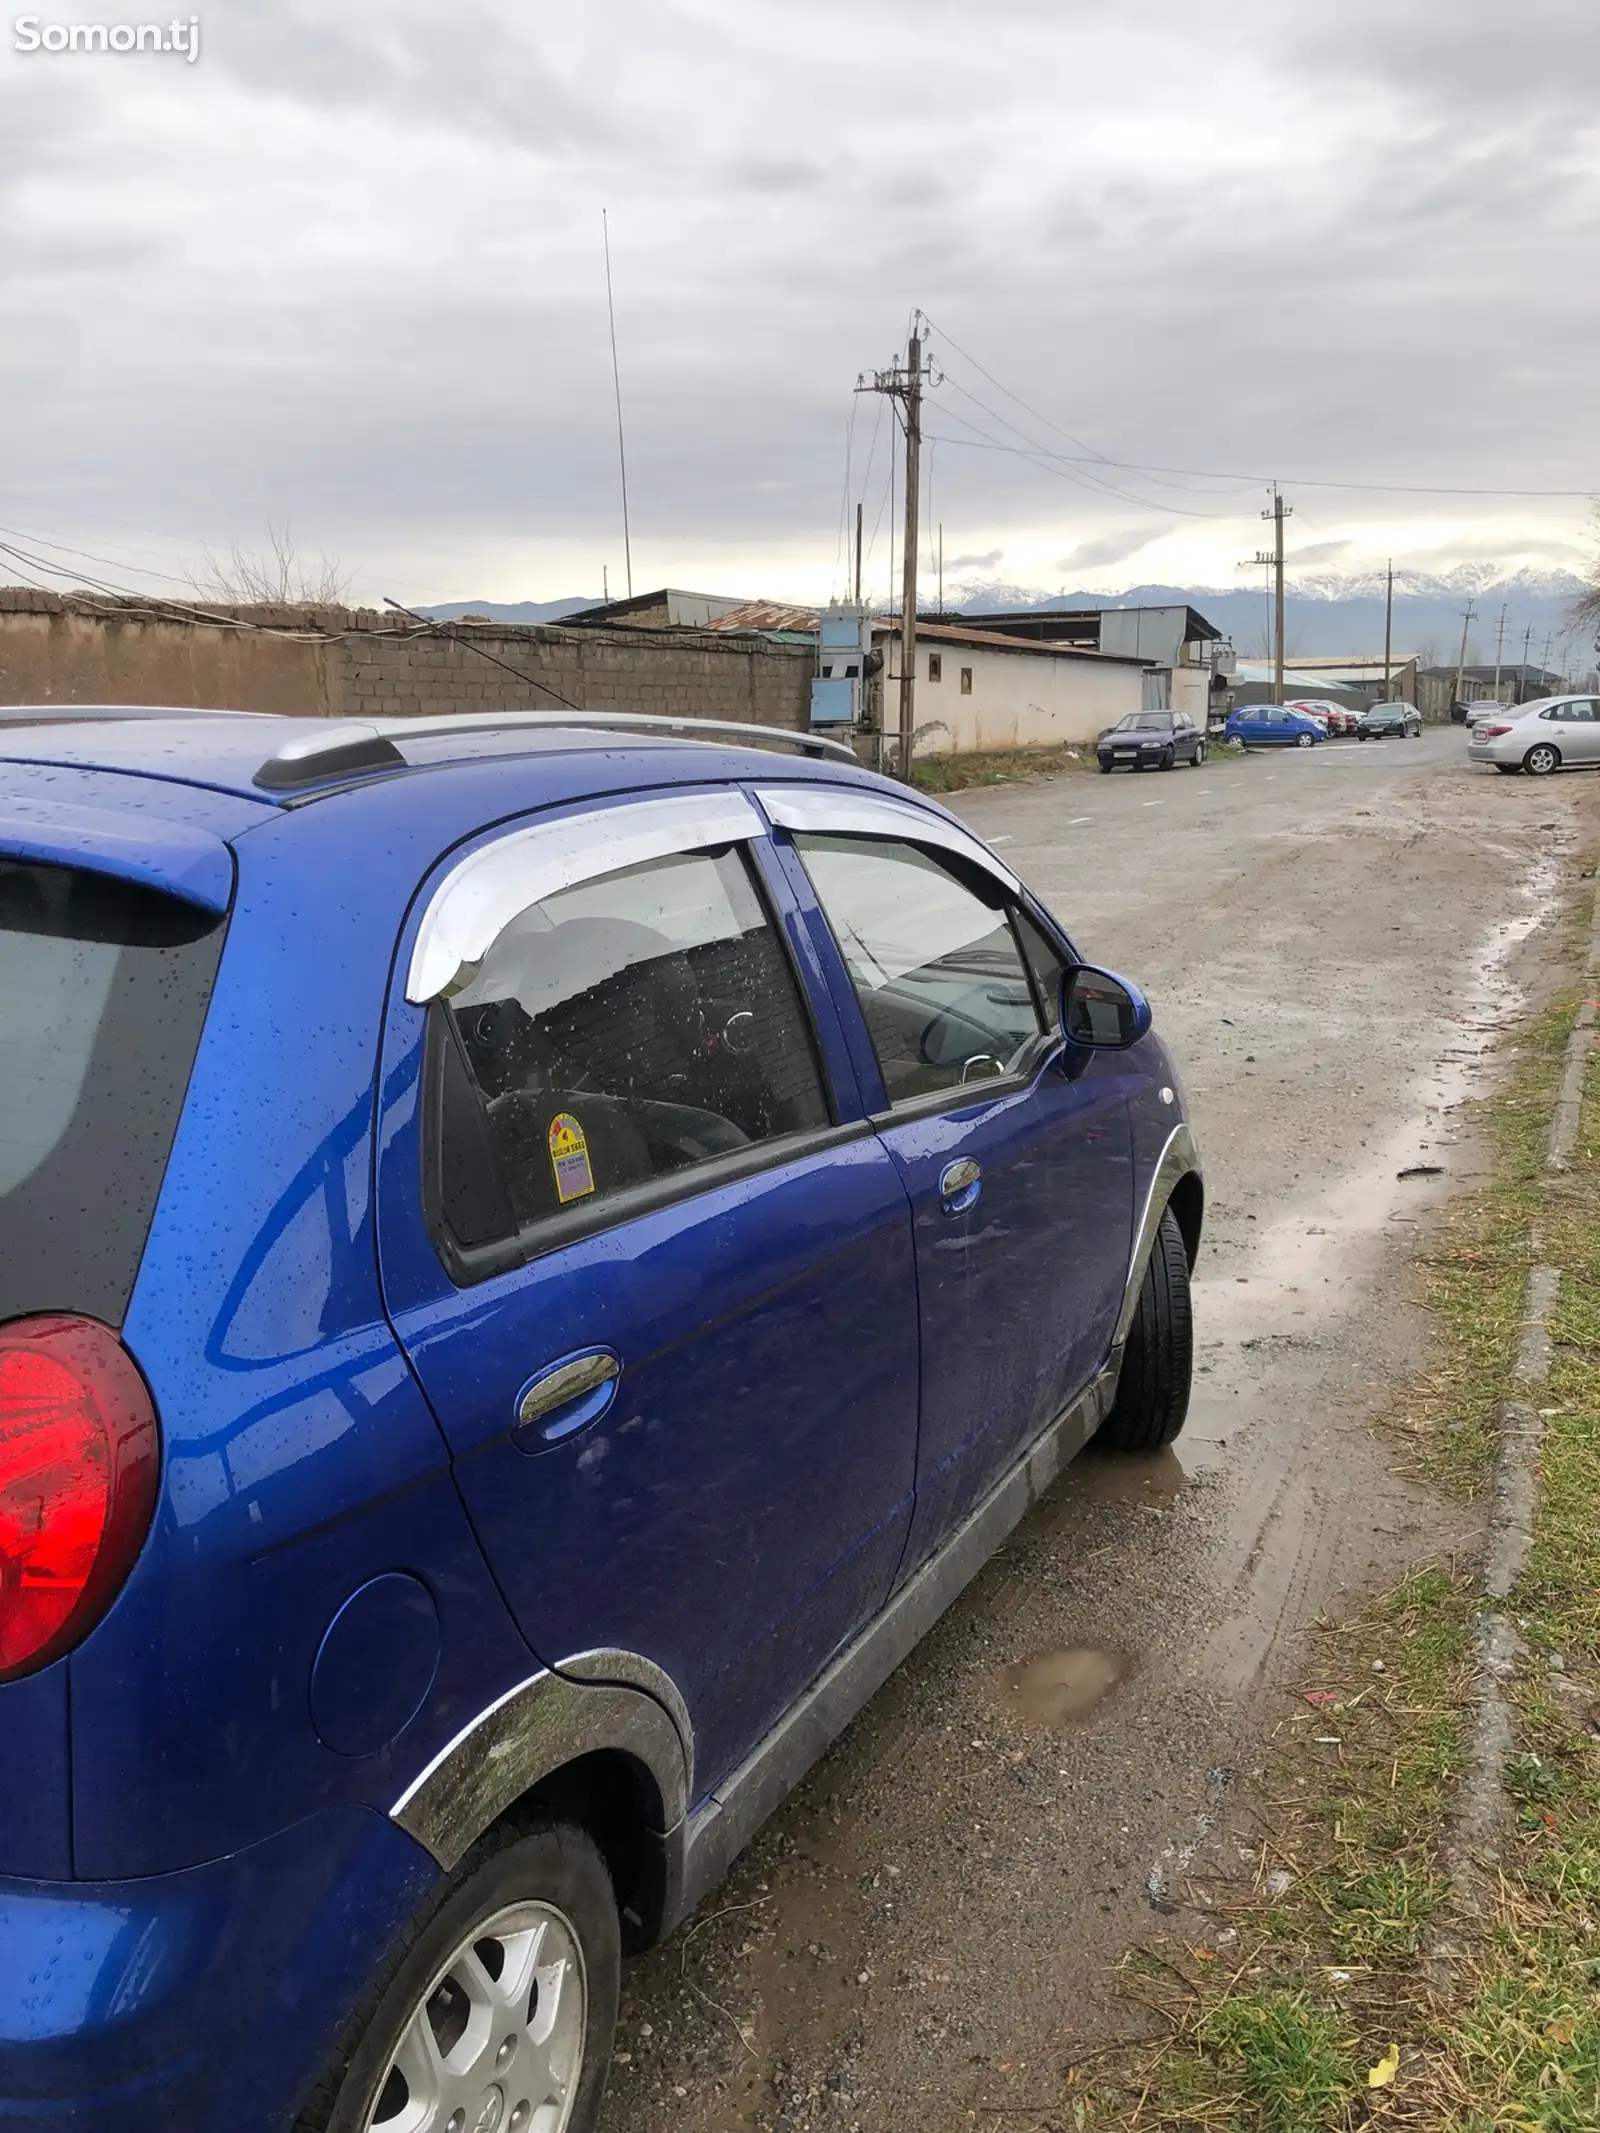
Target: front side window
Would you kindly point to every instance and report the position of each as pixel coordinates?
(619, 1031)
(946, 994)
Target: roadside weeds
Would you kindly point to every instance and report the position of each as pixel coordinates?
(1020, 766)
(1413, 1936)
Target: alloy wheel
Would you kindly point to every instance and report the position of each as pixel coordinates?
(496, 2044)
(1541, 760)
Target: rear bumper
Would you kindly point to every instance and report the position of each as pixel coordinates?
(205, 2000)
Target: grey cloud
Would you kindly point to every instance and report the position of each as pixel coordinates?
(1110, 548)
(358, 282)
(1319, 552)
(986, 561)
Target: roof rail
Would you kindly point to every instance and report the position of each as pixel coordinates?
(356, 745)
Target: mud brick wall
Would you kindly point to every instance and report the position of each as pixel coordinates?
(350, 662)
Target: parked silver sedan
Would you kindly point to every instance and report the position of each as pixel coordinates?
(1556, 733)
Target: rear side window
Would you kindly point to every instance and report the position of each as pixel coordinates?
(617, 1033)
(105, 987)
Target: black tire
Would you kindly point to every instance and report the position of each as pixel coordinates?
(1168, 758)
(1541, 759)
(1509, 770)
(1199, 753)
(1152, 1401)
(1105, 770)
(556, 1864)
(1306, 740)
(1361, 736)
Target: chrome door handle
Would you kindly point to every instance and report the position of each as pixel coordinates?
(960, 1183)
(565, 1397)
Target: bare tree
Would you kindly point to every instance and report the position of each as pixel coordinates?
(277, 576)
(1586, 608)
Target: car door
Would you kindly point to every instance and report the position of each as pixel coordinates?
(650, 1263)
(1580, 731)
(1015, 1153)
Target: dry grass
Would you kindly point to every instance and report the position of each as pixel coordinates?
(1316, 1999)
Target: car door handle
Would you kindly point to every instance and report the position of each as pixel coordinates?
(565, 1397)
(960, 1183)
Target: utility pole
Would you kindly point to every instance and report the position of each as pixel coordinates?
(1461, 663)
(1279, 512)
(1522, 681)
(941, 570)
(1499, 647)
(858, 555)
(903, 384)
(1388, 628)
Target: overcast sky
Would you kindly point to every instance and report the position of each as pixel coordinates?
(345, 271)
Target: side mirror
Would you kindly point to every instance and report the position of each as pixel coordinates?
(1101, 1009)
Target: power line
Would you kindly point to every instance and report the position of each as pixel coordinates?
(438, 629)
(1309, 481)
(1088, 455)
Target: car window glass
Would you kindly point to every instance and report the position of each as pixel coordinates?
(622, 1030)
(1047, 965)
(937, 968)
(105, 986)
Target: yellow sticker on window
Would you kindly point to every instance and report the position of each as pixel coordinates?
(569, 1158)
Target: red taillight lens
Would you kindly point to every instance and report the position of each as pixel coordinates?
(80, 1455)
(1493, 733)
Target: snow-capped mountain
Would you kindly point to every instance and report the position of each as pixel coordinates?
(1326, 615)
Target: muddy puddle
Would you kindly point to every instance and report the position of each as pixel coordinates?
(1059, 1689)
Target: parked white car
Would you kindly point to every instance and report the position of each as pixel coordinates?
(1488, 707)
(1556, 733)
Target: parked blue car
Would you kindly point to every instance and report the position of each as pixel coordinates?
(1272, 726)
(538, 1256)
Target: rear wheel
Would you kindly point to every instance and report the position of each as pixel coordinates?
(1153, 1391)
(1541, 759)
(500, 2007)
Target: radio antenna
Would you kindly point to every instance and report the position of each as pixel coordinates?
(616, 380)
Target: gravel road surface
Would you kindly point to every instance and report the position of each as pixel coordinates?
(1330, 939)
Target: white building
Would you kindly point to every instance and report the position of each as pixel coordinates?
(978, 690)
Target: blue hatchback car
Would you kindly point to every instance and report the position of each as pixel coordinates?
(539, 1255)
(1272, 726)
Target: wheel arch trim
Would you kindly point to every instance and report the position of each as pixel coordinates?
(1179, 1159)
(535, 1729)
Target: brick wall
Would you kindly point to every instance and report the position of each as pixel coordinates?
(349, 662)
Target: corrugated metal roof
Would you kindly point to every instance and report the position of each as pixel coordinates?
(765, 615)
(993, 641)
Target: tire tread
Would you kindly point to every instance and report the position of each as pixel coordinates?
(1152, 1400)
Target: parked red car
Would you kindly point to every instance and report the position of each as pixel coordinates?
(1336, 717)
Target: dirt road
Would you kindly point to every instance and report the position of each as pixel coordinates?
(1329, 939)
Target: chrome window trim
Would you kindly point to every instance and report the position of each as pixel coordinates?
(843, 811)
(487, 889)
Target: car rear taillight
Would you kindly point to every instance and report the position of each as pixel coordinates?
(1493, 733)
(80, 1455)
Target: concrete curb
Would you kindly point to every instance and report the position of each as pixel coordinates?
(1481, 1812)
